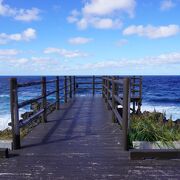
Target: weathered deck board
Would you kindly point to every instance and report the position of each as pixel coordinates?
(80, 142)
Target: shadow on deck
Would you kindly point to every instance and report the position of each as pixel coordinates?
(80, 142)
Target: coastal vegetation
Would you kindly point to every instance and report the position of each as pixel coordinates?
(35, 107)
(152, 127)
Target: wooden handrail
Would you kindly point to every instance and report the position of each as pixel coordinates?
(27, 102)
(91, 82)
(111, 91)
(113, 100)
(15, 106)
(29, 84)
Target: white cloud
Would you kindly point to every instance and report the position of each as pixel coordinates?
(73, 16)
(99, 23)
(163, 59)
(152, 32)
(26, 35)
(65, 53)
(26, 15)
(122, 42)
(167, 4)
(106, 23)
(106, 7)
(8, 52)
(102, 14)
(47, 65)
(79, 40)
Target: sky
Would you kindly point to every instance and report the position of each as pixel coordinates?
(90, 37)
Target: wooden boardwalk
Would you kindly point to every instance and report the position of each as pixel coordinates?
(80, 142)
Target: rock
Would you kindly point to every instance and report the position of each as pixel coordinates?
(27, 115)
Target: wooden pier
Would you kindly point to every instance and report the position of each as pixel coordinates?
(84, 138)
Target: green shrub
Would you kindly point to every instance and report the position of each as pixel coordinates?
(150, 127)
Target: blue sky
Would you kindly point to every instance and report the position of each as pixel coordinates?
(82, 37)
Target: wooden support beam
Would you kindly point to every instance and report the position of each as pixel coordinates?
(126, 112)
(140, 95)
(74, 84)
(93, 85)
(103, 87)
(65, 89)
(108, 93)
(134, 103)
(113, 100)
(57, 93)
(14, 113)
(70, 87)
(44, 100)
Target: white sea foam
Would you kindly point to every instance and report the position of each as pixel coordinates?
(170, 111)
(4, 120)
(4, 95)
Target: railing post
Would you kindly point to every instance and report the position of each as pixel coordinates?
(106, 89)
(44, 100)
(140, 95)
(57, 93)
(108, 94)
(15, 113)
(70, 83)
(126, 112)
(93, 85)
(103, 86)
(65, 89)
(113, 100)
(74, 84)
(133, 93)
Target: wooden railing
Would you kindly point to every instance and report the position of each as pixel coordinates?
(116, 93)
(136, 93)
(88, 84)
(68, 89)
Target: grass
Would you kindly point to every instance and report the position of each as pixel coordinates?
(150, 127)
(7, 133)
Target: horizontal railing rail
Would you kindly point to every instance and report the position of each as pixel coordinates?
(67, 92)
(136, 93)
(89, 84)
(119, 105)
(113, 89)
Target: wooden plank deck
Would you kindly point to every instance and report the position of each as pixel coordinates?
(81, 142)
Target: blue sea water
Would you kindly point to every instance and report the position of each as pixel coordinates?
(161, 93)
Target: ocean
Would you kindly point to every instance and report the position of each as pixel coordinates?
(160, 93)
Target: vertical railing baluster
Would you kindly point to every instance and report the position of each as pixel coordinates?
(93, 85)
(70, 84)
(140, 95)
(103, 86)
(108, 94)
(15, 113)
(74, 84)
(57, 93)
(106, 89)
(65, 89)
(113, 100)
(133, 93)
(44, 100)
(126, 112)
